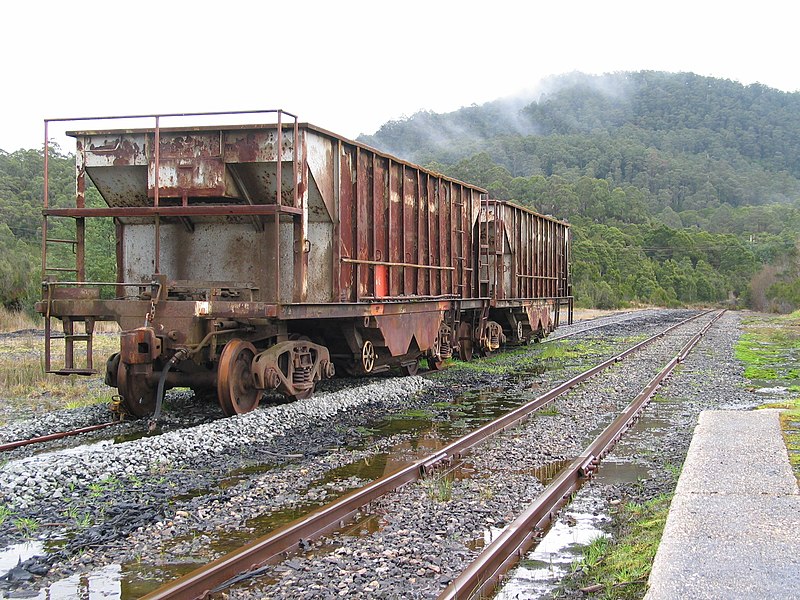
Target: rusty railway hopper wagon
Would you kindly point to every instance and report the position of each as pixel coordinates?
(271, 256)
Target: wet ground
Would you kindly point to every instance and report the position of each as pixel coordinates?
(643, 465)
(462, 400)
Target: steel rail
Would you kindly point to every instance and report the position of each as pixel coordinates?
(289, 538)
(483, 574)
(628, 316)
(54, 436)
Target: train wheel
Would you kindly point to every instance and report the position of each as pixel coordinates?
(368, 357)
(138, 398)
(236, 388)
(465, 341)
(411, 369)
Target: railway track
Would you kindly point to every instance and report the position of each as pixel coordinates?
(55, 436)
(484, 573)
(285, 541)
(591, 325)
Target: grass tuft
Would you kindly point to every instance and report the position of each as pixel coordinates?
(439, 489)
(548, 411)
(26, 526)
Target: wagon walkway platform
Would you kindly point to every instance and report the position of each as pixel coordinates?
(733, 529)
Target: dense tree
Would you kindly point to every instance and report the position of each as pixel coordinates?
(21, 190)
(680, 188)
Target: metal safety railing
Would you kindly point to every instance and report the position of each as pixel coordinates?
(80, 212)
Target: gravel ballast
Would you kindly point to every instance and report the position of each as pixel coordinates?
(452, 529)
(298, 444)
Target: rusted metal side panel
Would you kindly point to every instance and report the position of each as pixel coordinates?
(533, 248)
(539, 257)
(364, 220)
(409, 231)
(557, 265)
(424, 279)
(336, 246)
(472, 210)
(548, 258)
(551, 271)
(395, 185)
(456, 233)
(189, 165)
(301, 225)
(356, 225)
(441, 230)
(381, 225)
(418, 254)
(528, 241)
(347, 229)
(503, 251)
(462, 203)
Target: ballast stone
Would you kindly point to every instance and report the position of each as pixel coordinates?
(170, 449)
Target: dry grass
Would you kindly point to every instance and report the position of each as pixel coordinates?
(18, 320)
(11, 321)
(25, 388)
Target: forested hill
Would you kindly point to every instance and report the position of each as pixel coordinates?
(663, 165)
(698, 140)
(679, 188)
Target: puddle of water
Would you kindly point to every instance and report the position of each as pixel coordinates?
(546, 473)
(11, 555)
(489, 536)
(429, 433)
(619, 469)
(541, 569)
(238, 475)
(552, 559)
(768, 391)
(137, 580)
(101, 584)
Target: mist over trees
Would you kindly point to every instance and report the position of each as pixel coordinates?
(680, 188)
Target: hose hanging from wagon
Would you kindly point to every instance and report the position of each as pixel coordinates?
(178, 356)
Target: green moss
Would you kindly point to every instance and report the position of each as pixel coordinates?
(761, 373)
(533, 358)
(790, 426)
(768, 348)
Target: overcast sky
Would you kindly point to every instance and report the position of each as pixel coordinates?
(350, 66)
